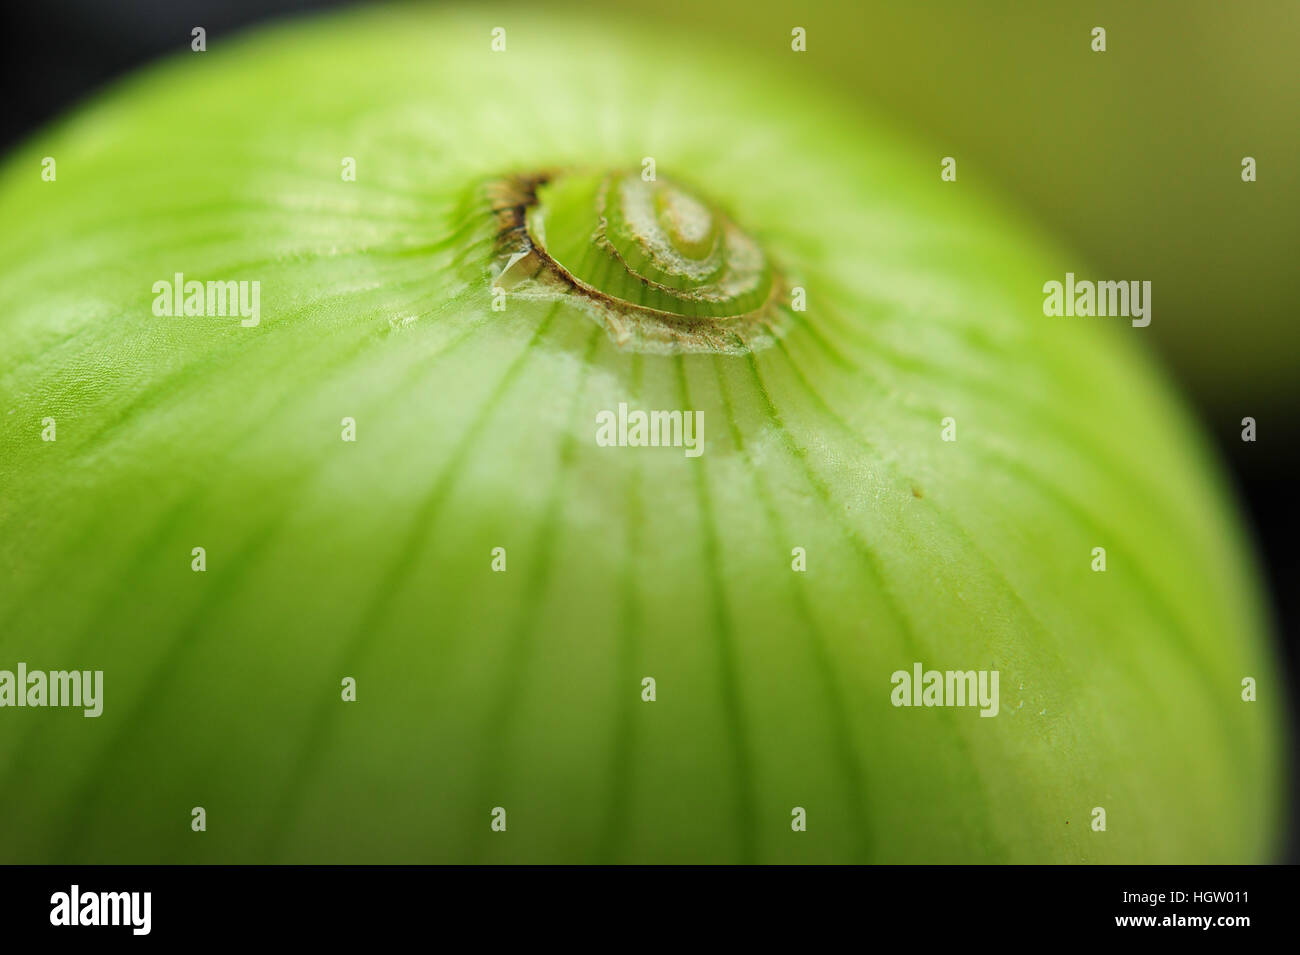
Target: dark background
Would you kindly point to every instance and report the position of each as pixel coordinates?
(54, 54)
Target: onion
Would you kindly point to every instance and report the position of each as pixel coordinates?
(395, 478)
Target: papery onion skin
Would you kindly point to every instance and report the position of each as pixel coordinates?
(476, 430)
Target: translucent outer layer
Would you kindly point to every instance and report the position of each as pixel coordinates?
(476, 429)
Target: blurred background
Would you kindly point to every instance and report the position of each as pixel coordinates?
(1130, 157)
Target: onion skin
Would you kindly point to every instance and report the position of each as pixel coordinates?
(476, 429)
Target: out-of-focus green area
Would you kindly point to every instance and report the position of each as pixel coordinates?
(1131, 157)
